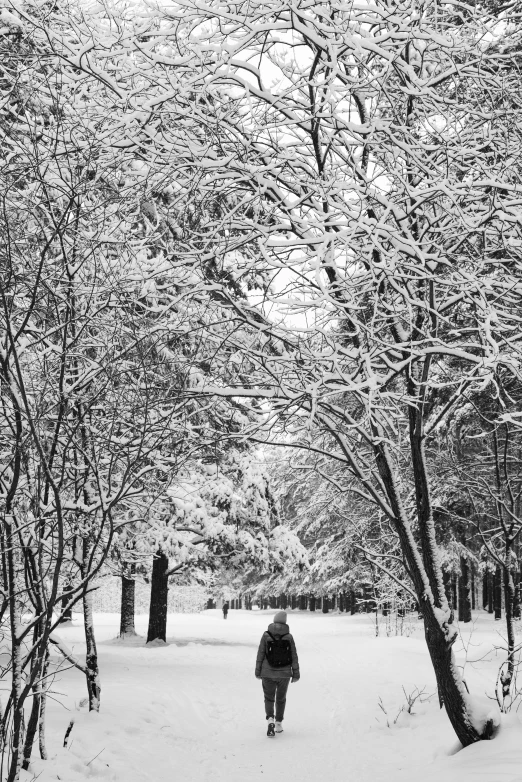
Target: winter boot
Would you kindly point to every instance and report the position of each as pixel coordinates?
(271, 725)
(278, 727)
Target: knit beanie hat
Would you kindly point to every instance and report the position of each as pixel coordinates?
(280, 617)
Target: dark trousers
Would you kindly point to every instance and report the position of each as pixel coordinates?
(274, 691)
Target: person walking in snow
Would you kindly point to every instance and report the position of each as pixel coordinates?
(225, 610)
(276, 665)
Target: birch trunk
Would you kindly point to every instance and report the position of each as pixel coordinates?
(506, 677)
(91, 656)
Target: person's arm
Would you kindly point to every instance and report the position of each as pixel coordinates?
(296, 675)
(261, 652)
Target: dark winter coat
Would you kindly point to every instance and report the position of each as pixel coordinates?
(263, 669)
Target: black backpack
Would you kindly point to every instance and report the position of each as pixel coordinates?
(278, 652)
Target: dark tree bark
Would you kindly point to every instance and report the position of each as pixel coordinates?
(507, 674)
(128, 592)
(353, 602)
(312, 603)
(302, 602)
(32, 725)
(485, 596)
(473, 588)
(66, 606)
(159, 593)
(464, 592)
(491, 592)
(326, 605)
(498, 593)
(446, 579)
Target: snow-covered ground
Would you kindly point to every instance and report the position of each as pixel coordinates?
(193, 711)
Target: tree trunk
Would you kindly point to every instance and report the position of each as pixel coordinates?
(498, 593)
(43, 704)
(368, 600)
(66, 606)
(454, 591)
(426, 573)
(159, 594)
(485, 598)
(446, 580)
(451, 690)
(32, 725)
(473, 593)
(516, 603)
(326, 602)
(506, 677)
(312, 603)
(128, 592)
(17, 732)
(353, 602)
(13, 571)
(91, 656)
(491, 592)
(34, 717)
(464, 592)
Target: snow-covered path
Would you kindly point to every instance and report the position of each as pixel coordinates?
(193, 710)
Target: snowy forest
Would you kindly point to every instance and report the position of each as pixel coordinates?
(260, 333)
